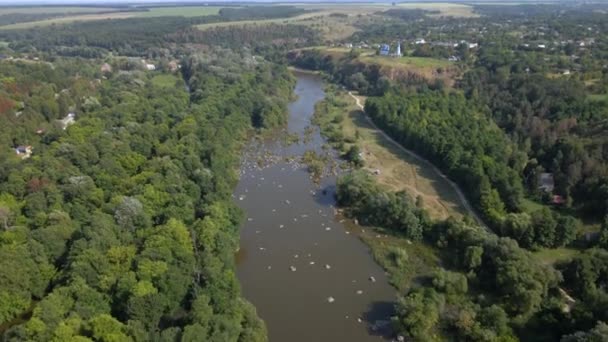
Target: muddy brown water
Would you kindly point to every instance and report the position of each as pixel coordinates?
(295, 253)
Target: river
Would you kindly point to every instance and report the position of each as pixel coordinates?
(301, 265)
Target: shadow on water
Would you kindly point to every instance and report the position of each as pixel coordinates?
(325, 195)
(377, 318)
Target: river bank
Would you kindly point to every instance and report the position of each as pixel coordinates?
(344, 123)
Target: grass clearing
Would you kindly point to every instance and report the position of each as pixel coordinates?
(530, 205)
(409, 62)
(598, 97)
(405, 261)
(164, 80)
(184, 11)
(397, 170)
(551, 256)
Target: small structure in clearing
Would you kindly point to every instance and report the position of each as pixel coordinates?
(546, 182)
(24, 151)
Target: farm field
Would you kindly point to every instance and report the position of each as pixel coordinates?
(319, 17)
(445, 9)
(68, 19)
(322, 16)
(55, 10)
(188, 11)
(264, 21)
(73, 14)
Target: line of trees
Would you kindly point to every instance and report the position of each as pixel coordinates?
(143, 36)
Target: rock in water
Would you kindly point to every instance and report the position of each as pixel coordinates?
(292, 268)
(372, 279)
(330, 299)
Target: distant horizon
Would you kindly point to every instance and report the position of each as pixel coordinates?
(189, 2)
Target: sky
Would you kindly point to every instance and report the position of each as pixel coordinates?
(87, 2)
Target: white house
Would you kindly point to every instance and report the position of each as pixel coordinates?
(69, 119)
(24, 151)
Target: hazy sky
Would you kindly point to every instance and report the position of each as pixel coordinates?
(81, 2)
(87, 2)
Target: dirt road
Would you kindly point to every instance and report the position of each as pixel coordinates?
(459, 192)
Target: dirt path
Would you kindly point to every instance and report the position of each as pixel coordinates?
(456, 188)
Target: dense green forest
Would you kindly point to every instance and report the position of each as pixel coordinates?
(121, 227)
(485, 287)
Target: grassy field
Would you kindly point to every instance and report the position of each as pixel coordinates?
(552, 256)
(185, 11)
(164, 80)
(410, 62)
(445, 9)
(335, 28)
(69, 19)
(55, 10)
(369, 56)
(88, 14)
(332, 28)
(598, 97)
(405, 261)
(395, 68)
(319, 18)
(293, 19)
(397, 170)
